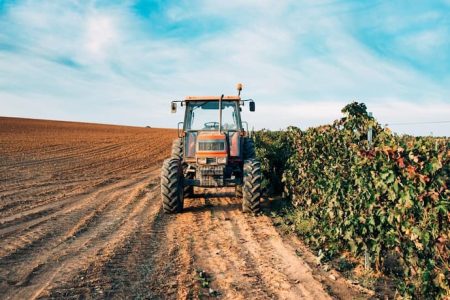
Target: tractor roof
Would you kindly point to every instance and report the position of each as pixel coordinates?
(211, 98)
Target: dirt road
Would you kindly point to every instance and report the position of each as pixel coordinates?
(80, 217)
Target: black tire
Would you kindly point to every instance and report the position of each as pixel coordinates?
(238, 191)
(252, 186)
(249, 148)
(172, 186)
(177, 148)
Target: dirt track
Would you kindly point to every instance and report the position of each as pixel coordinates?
(80, 216)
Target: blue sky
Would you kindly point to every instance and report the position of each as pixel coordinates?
(122, 62)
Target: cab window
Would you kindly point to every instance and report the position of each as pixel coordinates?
(204, 115)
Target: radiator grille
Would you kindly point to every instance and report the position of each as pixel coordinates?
(211, 146)
(211, 175)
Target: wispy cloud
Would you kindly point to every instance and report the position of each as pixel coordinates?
(122, 62)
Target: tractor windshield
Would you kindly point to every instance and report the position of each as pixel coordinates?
(204, 115)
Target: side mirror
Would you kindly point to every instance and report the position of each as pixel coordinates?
(252, 106)
(173, 107)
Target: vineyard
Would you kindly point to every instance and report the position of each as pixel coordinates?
(384, 200)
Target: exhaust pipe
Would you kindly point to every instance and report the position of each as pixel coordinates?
(239, 88)
(220, 114)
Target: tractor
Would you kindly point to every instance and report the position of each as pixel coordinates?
(213, 150)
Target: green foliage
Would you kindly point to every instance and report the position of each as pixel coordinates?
(355, 109)
(273, 150)
(388, 197)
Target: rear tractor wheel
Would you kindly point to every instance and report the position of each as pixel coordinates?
(189, 189)
(252, 186)
(238, 191)
(172, 186)
(249, 148)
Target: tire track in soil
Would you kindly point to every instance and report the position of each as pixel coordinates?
(51, 211)
(224, 254)
(149, 264)
(96, 232)
(244, 254)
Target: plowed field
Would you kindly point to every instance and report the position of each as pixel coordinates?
(80, 217)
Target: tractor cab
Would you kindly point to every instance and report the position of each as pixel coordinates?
(213, 147)
(213, 128)
(203, 115)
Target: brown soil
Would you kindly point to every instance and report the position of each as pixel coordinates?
(80, 217)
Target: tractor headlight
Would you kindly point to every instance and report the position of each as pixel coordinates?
(221, 160)
(201, 160)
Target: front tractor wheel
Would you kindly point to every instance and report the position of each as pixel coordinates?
(252, 186)
(172, 186)
(177, 148)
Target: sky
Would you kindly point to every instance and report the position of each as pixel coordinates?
(123, 62)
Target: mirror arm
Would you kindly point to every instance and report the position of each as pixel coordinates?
(246, 125)
(178, 129)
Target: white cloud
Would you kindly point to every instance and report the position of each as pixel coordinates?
(424, 43)
(100, 34)
(295, 59)
(407, 117)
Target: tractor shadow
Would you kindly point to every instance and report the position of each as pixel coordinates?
(226, 201)
(221, 201)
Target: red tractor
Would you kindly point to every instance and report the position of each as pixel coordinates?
(213, 150)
